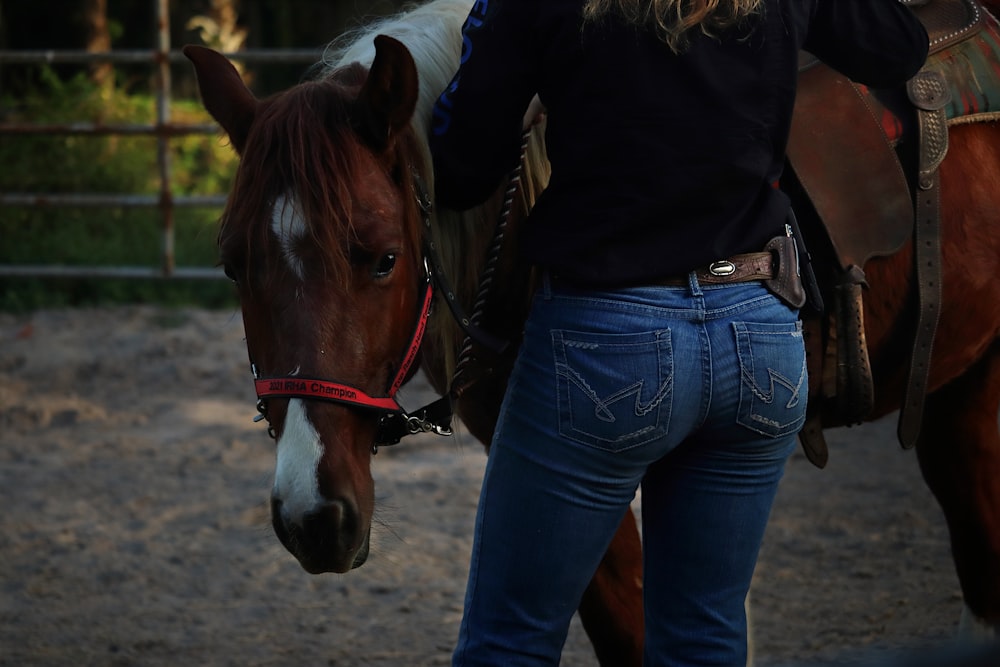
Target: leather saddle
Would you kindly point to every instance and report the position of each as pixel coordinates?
(860, 180)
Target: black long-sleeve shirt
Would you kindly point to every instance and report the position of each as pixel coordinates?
(661, 162)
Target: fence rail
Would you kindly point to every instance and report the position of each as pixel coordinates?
(163, 129)
(142, 56)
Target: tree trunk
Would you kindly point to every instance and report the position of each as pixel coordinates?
(95, 20)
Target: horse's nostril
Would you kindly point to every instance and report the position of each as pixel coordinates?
(327, 539)
(335, 525)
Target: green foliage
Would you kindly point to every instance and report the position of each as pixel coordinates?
(39, 164)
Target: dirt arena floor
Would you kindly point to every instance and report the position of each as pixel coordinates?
(134, 526)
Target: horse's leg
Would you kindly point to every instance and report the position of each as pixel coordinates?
(959, 453)
(611, 608)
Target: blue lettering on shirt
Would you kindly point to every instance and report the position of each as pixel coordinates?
(466, 41)
(441, 114)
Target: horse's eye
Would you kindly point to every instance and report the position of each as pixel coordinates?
(385, 265)
(230, 273)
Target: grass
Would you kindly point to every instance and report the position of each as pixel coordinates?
(40, 164)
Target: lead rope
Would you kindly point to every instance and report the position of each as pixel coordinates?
(436, 416)
(489, 272)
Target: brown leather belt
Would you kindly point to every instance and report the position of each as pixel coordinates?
(737, 269)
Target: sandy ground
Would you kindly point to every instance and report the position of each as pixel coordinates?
(134, 528)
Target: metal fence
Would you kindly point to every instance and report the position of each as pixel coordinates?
(160, 59)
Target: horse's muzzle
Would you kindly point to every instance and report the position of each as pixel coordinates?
(328, 539)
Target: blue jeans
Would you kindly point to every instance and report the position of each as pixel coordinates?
(697, 394)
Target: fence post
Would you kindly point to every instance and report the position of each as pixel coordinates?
(162, 143)
(161, 57)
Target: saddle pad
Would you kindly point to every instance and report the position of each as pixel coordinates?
(972, 69)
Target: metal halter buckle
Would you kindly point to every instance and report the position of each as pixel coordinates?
(417, 425)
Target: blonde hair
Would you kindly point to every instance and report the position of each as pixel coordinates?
(672, 20)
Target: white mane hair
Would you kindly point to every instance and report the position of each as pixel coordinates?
(432, 32)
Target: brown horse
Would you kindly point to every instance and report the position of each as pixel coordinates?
(325, 236)
(959, 443)
(958, 446)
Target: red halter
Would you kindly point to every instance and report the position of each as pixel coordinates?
(294, 386)
(395, 422)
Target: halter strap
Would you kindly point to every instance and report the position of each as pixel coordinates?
(323, 390)
(395, 422)
(465, 322)
(294, 386)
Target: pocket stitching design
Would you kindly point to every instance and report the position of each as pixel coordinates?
(571, 377)
(747, 416)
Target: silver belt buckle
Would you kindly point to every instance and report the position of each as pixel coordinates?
(722, 268)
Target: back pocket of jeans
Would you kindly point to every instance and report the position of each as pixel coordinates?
(773, 380)
(615, 390)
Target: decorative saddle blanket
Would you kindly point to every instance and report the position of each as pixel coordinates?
(970, 65)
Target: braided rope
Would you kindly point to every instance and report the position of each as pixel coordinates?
(489, 270)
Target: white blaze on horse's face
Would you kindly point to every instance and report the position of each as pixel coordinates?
(288, 226)
(298, 455)
(299, 448)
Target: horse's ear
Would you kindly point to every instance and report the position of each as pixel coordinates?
(223, 93)
(386, 102)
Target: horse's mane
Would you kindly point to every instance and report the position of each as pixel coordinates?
(432, 34)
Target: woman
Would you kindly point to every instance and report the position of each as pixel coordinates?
(663, 348)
